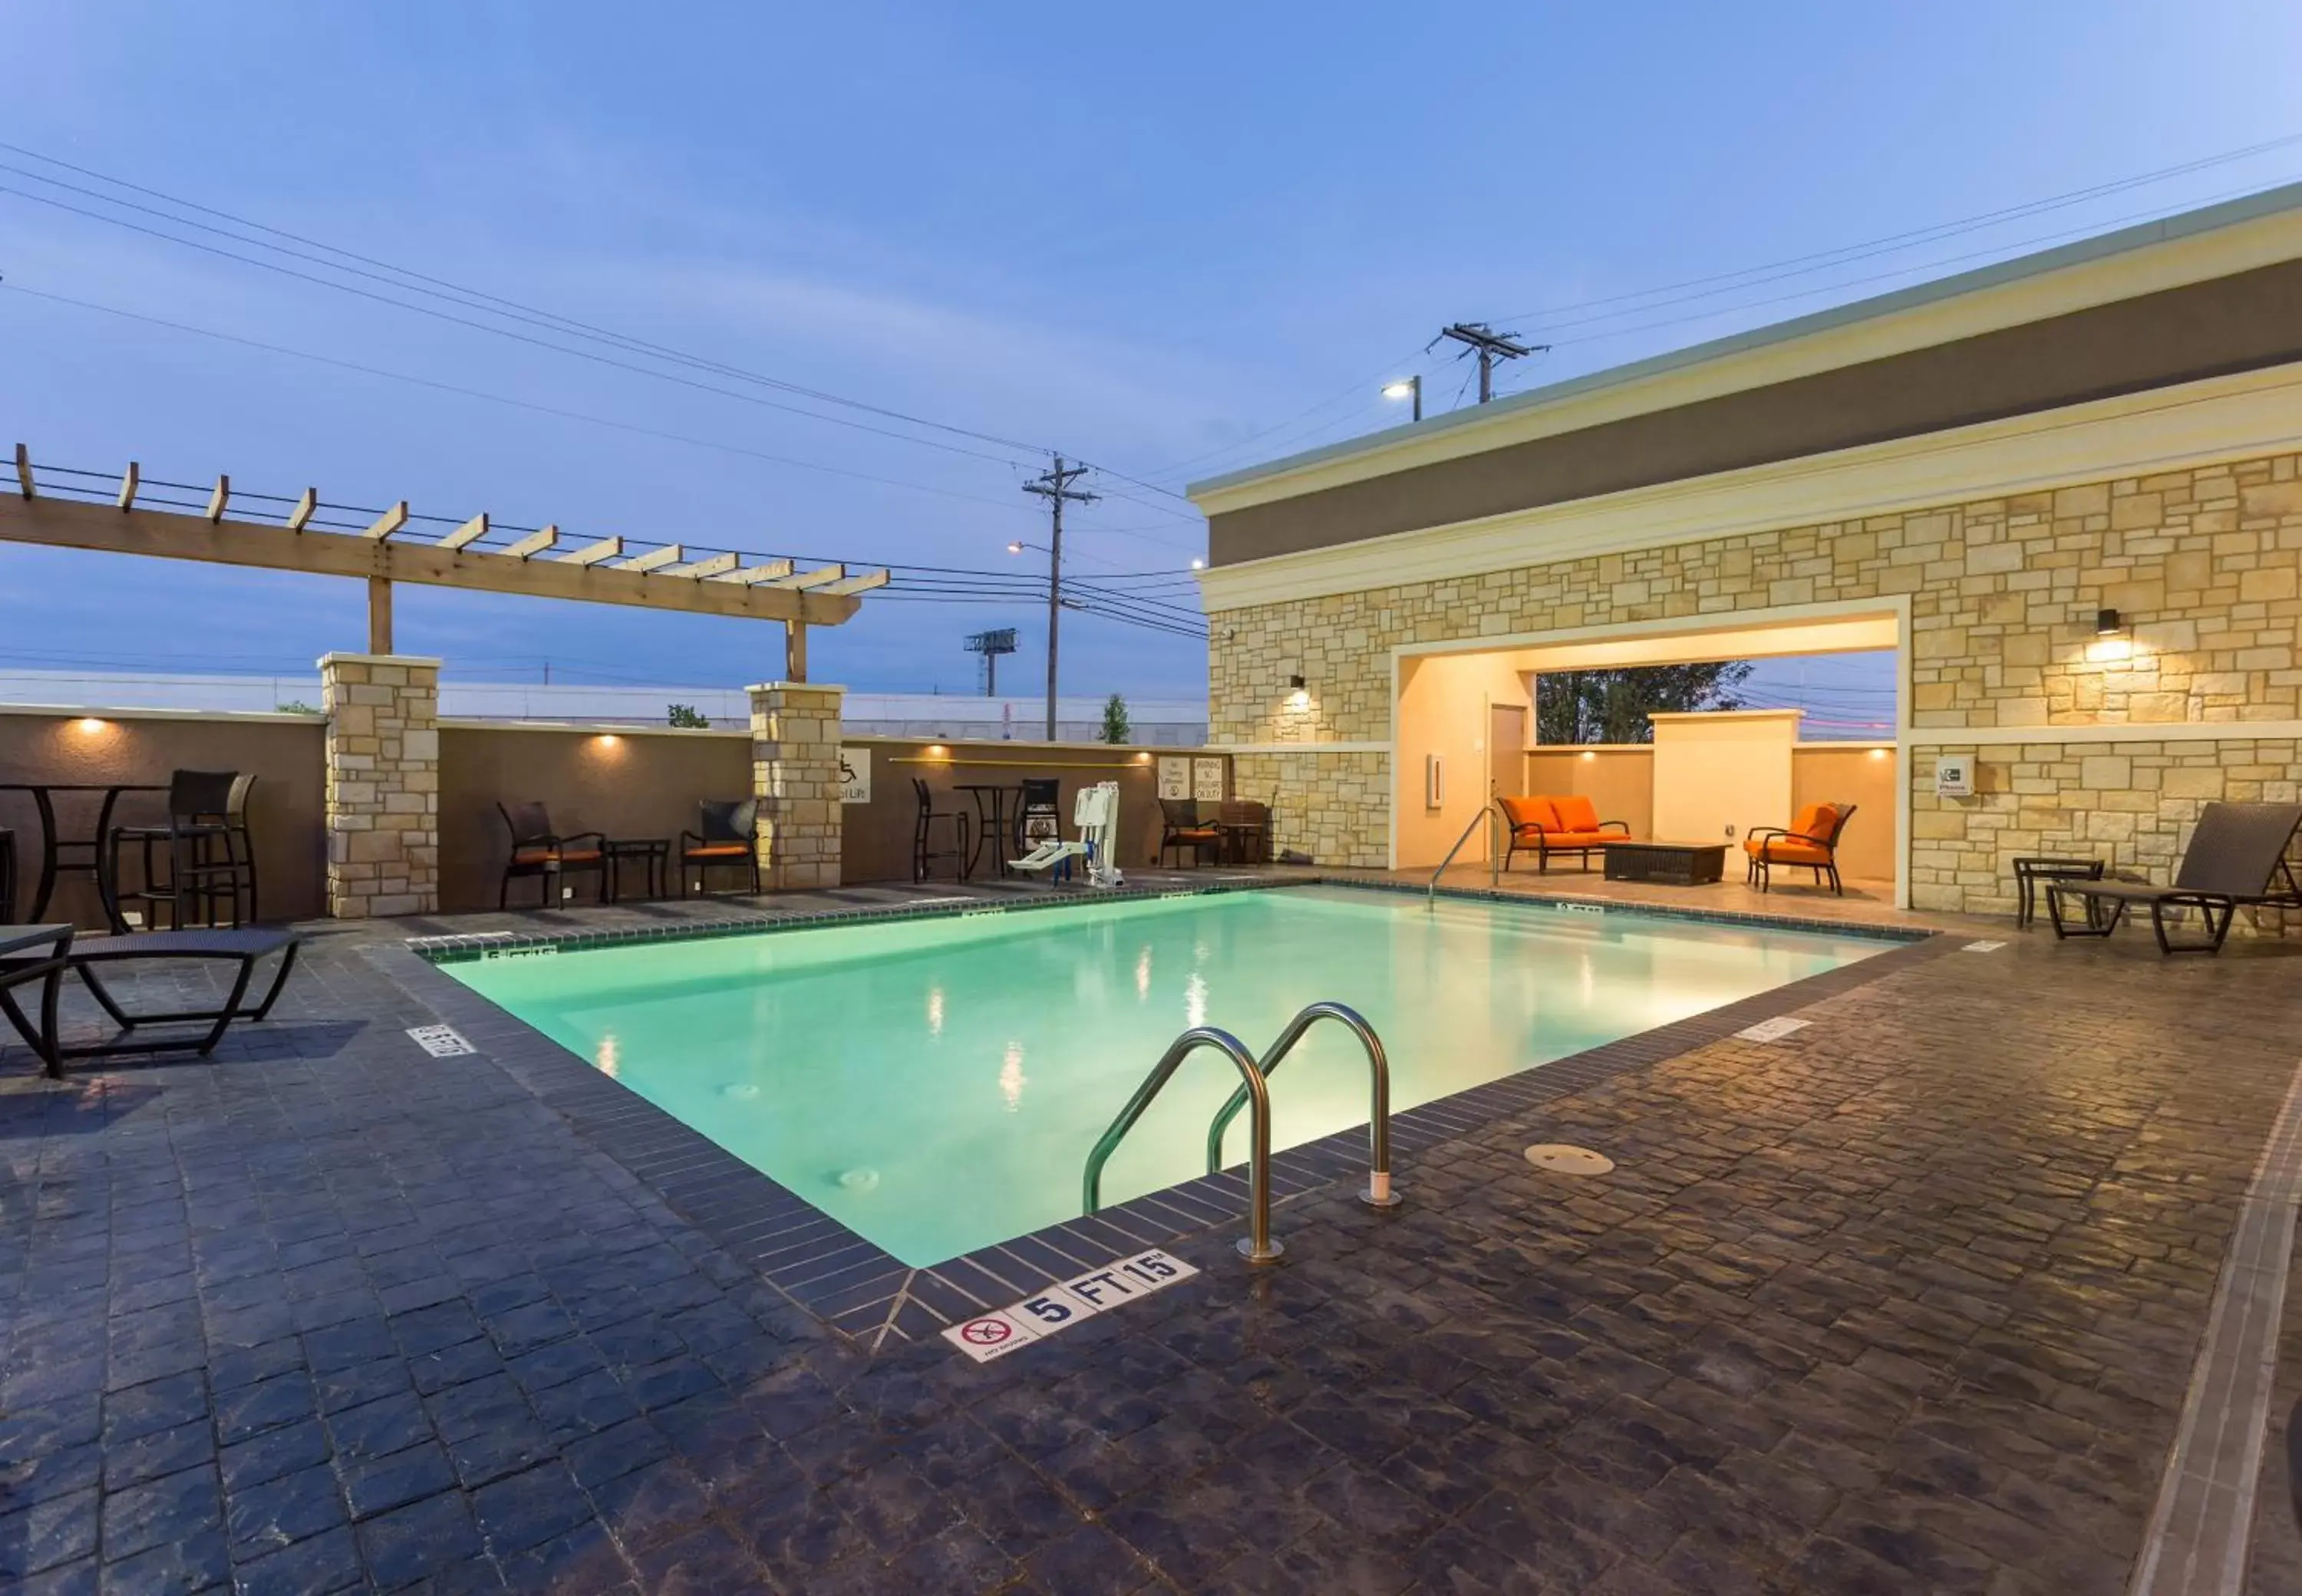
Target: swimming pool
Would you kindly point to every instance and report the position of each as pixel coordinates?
(935, 1085)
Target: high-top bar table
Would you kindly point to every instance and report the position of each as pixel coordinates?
(52, 847)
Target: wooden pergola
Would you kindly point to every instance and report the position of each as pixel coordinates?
(103, 513)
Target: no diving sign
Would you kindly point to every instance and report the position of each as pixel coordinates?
(1035, 1318)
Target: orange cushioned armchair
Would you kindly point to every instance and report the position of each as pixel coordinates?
(1562, 826)
(1810, 844)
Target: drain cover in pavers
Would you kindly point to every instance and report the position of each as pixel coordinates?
(1561, 1159)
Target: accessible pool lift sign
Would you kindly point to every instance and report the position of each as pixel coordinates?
(854, 774)
(1057, 1308)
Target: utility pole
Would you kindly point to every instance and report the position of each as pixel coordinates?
(1490, 346)
(1054, 486)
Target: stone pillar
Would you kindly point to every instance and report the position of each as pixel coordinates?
(795, 777)
(384, 785)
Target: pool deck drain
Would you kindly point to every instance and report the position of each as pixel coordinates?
(1560, 1158)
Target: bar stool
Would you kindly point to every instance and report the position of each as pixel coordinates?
(199, 826)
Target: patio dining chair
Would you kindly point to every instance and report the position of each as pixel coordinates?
(538, 850)
(1811, 842)
(728, 836)
(1180, 827)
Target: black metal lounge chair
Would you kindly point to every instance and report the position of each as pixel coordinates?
(2237, 857)
(245, 948)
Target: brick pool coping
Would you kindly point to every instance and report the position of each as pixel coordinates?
(865, 1293)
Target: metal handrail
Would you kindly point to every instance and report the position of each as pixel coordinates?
(1256, 1246)
(1486, 811)
(1378, 1193)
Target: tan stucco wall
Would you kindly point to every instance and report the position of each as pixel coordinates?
(1443, 708)
(1717, 776)
(2205, 564)
(1864, 778)
(284, 807)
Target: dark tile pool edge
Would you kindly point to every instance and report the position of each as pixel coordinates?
(457, 948)
(866, 1293)
(454, 948)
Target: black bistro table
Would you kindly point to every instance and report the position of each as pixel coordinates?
(52, 847)
(652, 853)
(2031, 868)
(991, 811)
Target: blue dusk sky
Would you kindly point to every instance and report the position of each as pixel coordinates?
(1171, 241)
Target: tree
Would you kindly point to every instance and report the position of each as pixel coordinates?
(294, 706)
(690, 716)
(1115, 726)
(1612, 706)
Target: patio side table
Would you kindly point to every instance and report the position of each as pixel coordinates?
(993, 820)
(653, 854)
(53, 844)
(2030, 869)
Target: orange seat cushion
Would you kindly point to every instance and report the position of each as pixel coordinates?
(1815, 820)
(578, 855)
(1786, 850)
(1527, 815)
(1557, 840)
(1576, 812)
(718, 850)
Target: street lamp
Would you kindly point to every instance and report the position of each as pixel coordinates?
(1407, 387)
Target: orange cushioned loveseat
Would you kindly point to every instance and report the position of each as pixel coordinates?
(1566, 825)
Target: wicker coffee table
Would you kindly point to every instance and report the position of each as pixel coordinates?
(1671, 864)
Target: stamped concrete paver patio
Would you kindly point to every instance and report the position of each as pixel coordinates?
(1906, 1301)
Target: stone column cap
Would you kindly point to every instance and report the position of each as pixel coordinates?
(794, 687)
(325, 660)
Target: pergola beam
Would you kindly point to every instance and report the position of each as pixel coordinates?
(300, 516)
(654, 559)
(698, 570)
(592, 554)
(471, 532)
(100, 526)
(751, 575)
(822, 577)
(220, 500)
(388, 523)
(534, 543)
(862, 582)
(24, 471)
(129, 481)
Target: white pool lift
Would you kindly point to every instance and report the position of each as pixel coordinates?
(1095, 815)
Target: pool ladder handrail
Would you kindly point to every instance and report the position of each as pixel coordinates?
(1256, 1246)
(1379, 1192)
(1494, 856)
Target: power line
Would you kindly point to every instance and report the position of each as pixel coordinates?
(1490, 345)
(499, 306)
(1842, 254)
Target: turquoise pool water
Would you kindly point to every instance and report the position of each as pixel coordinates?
(937, 1084)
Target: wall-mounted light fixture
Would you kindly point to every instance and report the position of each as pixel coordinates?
(2107, 624)
(1878, 753)
(90, 724)
(1298, 694)
(1589, 754)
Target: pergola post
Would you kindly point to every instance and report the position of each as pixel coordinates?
(795, 777)
(384, 785)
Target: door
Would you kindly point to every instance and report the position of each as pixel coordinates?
(1506, 751)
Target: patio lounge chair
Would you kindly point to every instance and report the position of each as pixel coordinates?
(245, 948)
(1810, 844)
(1563, 826)
(2237, 856)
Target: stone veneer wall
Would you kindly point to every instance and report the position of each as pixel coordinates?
(382, 754)
(795, 776)
(2130, 804)
(2207, 564)
(1334, 806)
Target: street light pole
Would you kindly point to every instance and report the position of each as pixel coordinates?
(1055, 487)
(1407, 388)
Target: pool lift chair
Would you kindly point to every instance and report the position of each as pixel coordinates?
(1095, 814)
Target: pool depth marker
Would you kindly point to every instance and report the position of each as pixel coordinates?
(1059, 1307)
